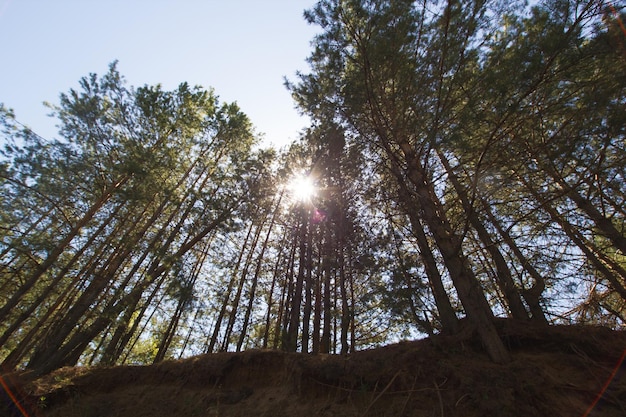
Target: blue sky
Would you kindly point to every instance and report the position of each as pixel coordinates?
(241, 48)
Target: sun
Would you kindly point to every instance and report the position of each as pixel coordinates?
(301, 188)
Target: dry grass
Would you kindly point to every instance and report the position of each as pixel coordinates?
(556, 371)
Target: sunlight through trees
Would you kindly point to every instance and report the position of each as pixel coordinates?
(302, 187)
(465, 161)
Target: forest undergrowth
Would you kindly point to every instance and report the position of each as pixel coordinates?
(555, 370)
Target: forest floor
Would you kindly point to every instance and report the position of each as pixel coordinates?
(555, 371)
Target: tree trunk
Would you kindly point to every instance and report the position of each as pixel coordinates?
(447, 315)
(326, 299)
(532, 296)
(60, 248)
(604, 265)
(468, 287)
(504, 278)
(317, 296)
(308, 302)
(229, 291)
(242, 280)
(603, 224)
(270, 298)
(54, 283)
(257, 272)
(64, 354)
(286, 290)
(291, 338)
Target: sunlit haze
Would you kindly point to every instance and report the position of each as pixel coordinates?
(301, 188)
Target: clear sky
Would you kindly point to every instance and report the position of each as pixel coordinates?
(241, 48)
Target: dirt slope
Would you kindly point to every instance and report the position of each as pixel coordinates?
(556, 371)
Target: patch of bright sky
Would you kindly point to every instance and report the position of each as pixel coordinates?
(241, 48)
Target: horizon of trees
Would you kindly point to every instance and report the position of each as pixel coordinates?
(468, 159)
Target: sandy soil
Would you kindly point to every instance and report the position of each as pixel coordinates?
(555, 371)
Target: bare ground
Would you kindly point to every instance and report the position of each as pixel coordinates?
(555, 371)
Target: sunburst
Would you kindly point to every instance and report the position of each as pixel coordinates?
(302, 188)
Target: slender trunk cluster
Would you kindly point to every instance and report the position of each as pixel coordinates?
(466, 164)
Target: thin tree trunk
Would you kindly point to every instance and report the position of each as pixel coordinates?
(306, 313)
(504, 279)
(64, 354)
(352, 300)
(58, 333)
(127, 335)
(185, 299)
(122, 336)
(341, 240)
(408, 280)
(291, 339)
(327, 304)
(447, 315)
(229, 291)
(170, 332)
(59, 307)
(317, 297)
(532, 296)
(60, 248)
(54, 283)
(468, 287)
(345, 309)
(257, 271)
(603, 224)
(604, 265)
(283, 308)
(270, 298)
(242, 280)
(100, 280)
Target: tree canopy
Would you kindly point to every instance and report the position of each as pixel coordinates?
(465, 161)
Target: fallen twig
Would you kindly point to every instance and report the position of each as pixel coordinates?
(381, 394)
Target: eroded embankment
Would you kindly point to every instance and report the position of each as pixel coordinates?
(558, 370)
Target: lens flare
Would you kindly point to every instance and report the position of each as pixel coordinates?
(302, 188)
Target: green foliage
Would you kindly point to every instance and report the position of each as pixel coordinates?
(140, 178)
(453, 144)
(523, 101)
